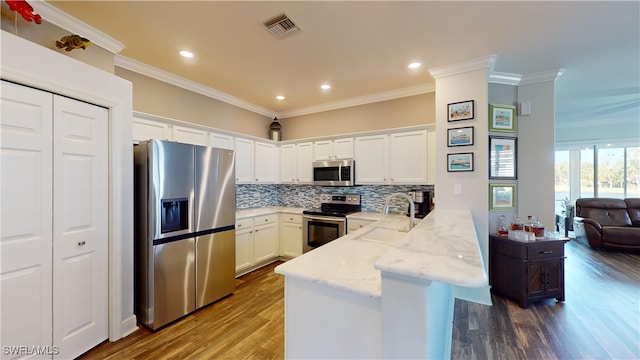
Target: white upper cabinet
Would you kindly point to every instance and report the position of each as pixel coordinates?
(304, 160)
(221, 141)
(431, 156)
(266, 162)
(335, 149)
(244, 160)
(371, 159)
(408, 157)
(190, 135)
(144, 129)
(288, 164)
(398, 158)
(295, 163)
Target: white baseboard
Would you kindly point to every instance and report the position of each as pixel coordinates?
(129, 326)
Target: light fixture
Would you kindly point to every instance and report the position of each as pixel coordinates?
(186, 54)
(275, 130)
(280, 97)
(414, 65)
(325, 86)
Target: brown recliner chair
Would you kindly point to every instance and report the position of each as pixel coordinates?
(612, 224)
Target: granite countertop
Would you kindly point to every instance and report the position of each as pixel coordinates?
(442, 247)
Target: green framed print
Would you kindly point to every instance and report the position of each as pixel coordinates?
(502, 196)
(502, 118)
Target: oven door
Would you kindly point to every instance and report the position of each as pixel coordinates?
(319, 230)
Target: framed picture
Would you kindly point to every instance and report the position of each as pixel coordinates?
(502, 196)
(462, 136)
(502, 118)
(460, 162)
(503, 156)
(460, 111)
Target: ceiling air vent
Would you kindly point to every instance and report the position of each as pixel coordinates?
(281, 25)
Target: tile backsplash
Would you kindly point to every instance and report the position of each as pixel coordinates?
(372, 197)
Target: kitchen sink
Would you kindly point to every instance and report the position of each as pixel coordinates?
(383, 235)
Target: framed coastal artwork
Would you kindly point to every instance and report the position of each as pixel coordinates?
(502, 196)
(462, 136)
(502, 118)
(462, 110)
(460, 162)
(503, 157)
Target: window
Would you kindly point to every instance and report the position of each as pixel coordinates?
(598, 171)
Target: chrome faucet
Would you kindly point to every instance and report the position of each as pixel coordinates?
(412, 207)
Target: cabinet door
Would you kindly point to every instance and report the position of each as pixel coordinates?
(221, 141)
(408, 158)
(143, 129)
(371, 159)
(80, 226)
(266, 162)
(535, 279)
(26, 160)
(189, 135)
(554, 275)
(244, 250)
(323, 150)
(288, 163)
(291, 239)
(265, 242)
(343, 148)
(304, 160)
(431, 157)
(244, 161)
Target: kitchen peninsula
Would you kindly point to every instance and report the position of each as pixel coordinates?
(382, 292)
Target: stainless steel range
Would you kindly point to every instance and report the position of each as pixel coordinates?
(321, 226)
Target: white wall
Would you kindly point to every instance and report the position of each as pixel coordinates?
(455, 83)
(536, 153)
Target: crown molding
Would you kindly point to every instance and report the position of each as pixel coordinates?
(505, 78)
(362, 100)
(158, 74)
(463, 66)
(545, 76)
(75, 26)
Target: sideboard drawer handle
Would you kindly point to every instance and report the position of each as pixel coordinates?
(546, 252)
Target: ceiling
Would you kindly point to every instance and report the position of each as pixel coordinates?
(362, 48)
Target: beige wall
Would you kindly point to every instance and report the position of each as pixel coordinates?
(159, 98)
(402, 112)
(46, 35)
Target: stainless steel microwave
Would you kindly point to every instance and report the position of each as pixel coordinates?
(334, 173)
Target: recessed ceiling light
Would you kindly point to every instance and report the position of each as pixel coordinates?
(280, 97)
(186, 54)
(414, 65)
(325, 86)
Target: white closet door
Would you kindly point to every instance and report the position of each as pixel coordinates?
(80, 228)
(25, 217)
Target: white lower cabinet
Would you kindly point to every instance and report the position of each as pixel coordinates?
(290, 235)
(256, 242)
(54, 216)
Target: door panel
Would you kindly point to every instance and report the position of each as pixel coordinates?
(215, 266)
(173, 282)
(25, 215)
(80, 228)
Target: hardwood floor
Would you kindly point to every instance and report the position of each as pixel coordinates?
(600, 319)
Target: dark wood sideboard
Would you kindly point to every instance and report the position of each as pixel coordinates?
(527, 271)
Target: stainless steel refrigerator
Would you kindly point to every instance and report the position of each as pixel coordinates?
(184, 229)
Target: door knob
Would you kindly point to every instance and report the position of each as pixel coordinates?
(82, 243)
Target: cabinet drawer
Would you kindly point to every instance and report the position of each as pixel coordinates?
(545, 250)
(244, 224)
(292, 218)
(265, 219)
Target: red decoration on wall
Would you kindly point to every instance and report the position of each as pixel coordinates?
(24, 9)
